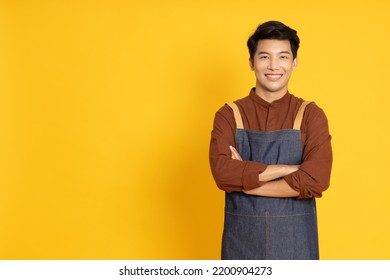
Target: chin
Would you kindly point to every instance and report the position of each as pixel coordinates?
(275, 90)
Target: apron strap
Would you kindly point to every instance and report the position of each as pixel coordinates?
(299, 117)
(237, 115)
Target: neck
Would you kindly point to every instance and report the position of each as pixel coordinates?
(270, 96)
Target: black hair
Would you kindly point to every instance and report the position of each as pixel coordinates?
(273, 30)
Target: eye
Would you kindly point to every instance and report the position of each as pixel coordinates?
(284, 57)
(263, 57)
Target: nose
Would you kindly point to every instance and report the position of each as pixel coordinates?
(273, 64)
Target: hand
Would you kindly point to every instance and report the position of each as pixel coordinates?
(278, 188)
(252, 191)
(294, 168)
(235, 154)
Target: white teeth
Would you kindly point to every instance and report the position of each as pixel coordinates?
(274, 77)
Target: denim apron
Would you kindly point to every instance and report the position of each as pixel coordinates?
(259, 227)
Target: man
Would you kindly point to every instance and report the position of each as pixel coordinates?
(271, 154)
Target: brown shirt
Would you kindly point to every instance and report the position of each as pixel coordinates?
(313, 176)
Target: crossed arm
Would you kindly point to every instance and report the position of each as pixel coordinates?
(309, 179)
(270, 188)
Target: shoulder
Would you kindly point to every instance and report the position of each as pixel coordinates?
(314, 119)
(314, 111)
(311, 110)
(241, 103)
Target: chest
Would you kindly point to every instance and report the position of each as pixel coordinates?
(274, 147)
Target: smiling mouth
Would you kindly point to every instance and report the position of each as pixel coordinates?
(273, 77)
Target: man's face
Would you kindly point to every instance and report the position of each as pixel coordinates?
(273, 64)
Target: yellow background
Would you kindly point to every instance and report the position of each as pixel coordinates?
(106, 109)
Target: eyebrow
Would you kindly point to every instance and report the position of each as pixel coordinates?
(282, 52)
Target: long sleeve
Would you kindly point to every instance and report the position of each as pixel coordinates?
(313, 177)
(229, 174)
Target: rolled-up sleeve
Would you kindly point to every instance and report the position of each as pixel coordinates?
(313, 176)
(229, 174)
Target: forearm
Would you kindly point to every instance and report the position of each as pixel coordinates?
(311, 179)
(229, 174)
(234, 175)
(273, 172)
(313, 176)
(278, 188)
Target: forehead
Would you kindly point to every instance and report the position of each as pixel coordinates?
(273, 46)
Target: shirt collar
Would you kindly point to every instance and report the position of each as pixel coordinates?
(262, 102)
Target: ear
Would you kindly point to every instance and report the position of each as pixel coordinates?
(295, 63)
(251, 65)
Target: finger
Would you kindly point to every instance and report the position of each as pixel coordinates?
(235, 154)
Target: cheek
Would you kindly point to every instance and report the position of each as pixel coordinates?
(294, 67)
(289, 68)
(259, 68)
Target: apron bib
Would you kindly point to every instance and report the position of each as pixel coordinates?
(259, 227)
